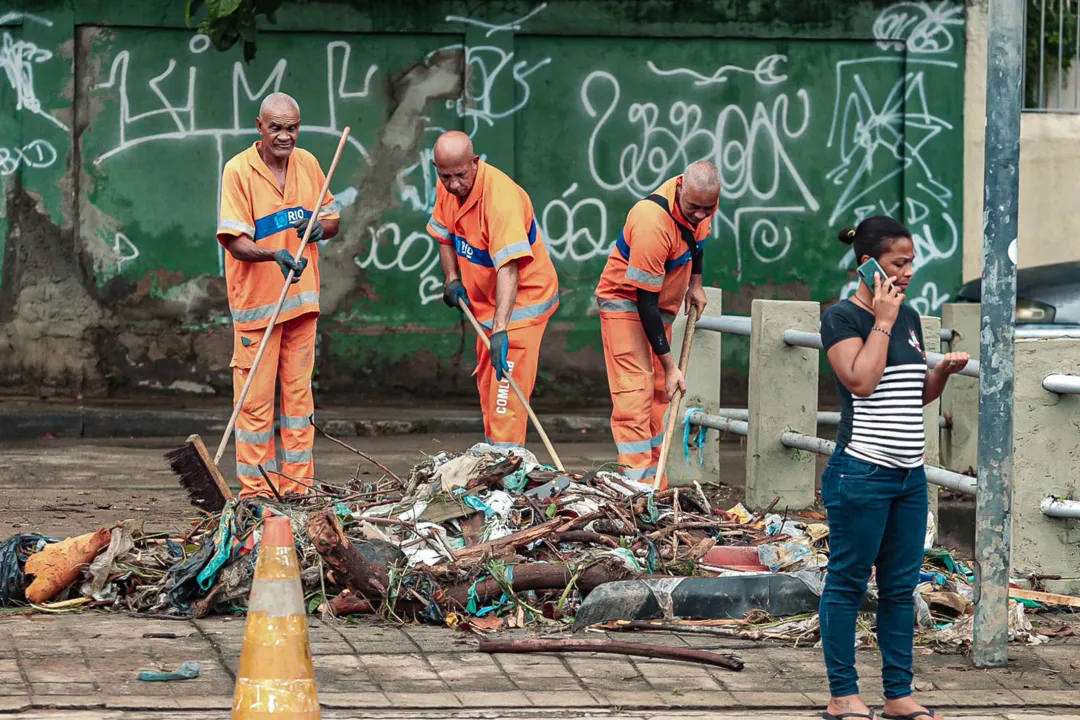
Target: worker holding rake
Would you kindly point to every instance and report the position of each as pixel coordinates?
(654, 268)
(494, 261)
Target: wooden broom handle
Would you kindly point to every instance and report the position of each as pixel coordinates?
(281, 300)
(673, 411)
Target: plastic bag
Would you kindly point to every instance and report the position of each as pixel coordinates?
(13, 554)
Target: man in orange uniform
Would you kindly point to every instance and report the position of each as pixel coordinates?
(268, 194)
(504, 275)
(654, 267)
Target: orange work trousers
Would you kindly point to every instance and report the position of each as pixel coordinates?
(505, 418)
(289, 358)
(636, 381)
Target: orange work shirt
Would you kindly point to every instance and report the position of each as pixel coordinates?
(652, 253)
(493, 226)
(253, 205)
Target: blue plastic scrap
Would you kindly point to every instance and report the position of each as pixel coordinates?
(698, 442)
(223, 544)
(187, 671)
(473, 607)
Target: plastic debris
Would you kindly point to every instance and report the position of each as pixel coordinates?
(57, 566)
(187, 671)
(491, 539)
(13, 554)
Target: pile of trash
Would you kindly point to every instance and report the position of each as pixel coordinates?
(483, 540)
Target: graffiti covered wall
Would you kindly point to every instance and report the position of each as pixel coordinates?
(115, 122)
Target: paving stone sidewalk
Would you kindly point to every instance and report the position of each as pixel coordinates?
(90, 661)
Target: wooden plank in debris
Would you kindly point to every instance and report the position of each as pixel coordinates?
(518, 539)
(1044, 597)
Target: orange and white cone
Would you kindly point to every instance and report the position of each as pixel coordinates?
(276, 676)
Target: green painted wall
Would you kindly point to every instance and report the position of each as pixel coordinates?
(817, 115)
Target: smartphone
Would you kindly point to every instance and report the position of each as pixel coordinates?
(866, 272)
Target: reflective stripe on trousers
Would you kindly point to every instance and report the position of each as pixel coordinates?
(505, 419)
(289, 357)
(639, 401)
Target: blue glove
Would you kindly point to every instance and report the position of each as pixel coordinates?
(453, 292)
(500, 344)
(287, 262)
(301, 228)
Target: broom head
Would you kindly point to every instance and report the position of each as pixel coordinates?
(206, 488)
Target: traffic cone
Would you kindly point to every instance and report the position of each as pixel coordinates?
(276, 676)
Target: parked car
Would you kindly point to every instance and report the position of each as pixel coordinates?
(1047, 300)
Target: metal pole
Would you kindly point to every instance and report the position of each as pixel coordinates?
(993, 502)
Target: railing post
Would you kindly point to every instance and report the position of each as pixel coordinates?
(960, 441)
(702, 391)
(931, 329)
(783, 396)
(1045, 450)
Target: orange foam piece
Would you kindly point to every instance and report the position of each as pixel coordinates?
(59, 565)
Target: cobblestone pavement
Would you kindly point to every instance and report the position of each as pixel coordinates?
(89, 662)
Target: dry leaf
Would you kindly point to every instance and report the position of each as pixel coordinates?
(488, 622)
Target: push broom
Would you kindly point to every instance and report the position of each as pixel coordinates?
(198, 472)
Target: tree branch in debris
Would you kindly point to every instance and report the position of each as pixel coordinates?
(612, 647)
(537, 576)
(349, 566)
(362, 454)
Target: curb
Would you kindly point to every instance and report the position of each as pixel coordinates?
(23, 425)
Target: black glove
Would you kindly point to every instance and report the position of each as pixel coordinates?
(454, 291)
(301, 228)
(286, 262)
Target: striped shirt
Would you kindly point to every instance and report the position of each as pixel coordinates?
(885, 428)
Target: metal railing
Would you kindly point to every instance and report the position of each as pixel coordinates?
(821, 446)
(1055, 507)
(728, 324)
(1051, 81)
(823, 417)
(1062, 384)
(801, 338)
(936, 475)
(740, 325)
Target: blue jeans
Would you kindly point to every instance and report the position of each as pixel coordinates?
(877, 516)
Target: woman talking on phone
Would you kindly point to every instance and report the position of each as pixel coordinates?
(874, 487)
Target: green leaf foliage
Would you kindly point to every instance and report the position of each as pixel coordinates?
(1058, 42)
(227, 22)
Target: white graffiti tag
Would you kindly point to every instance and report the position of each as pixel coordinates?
(749, 151)
(874, 135)
(924, 30)
(484, 66)
(417, 254)
(765, 72)
(37, 154)
(181, 111)
(577, 232)
(17, 58)
(125, 250)
(492, 29)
